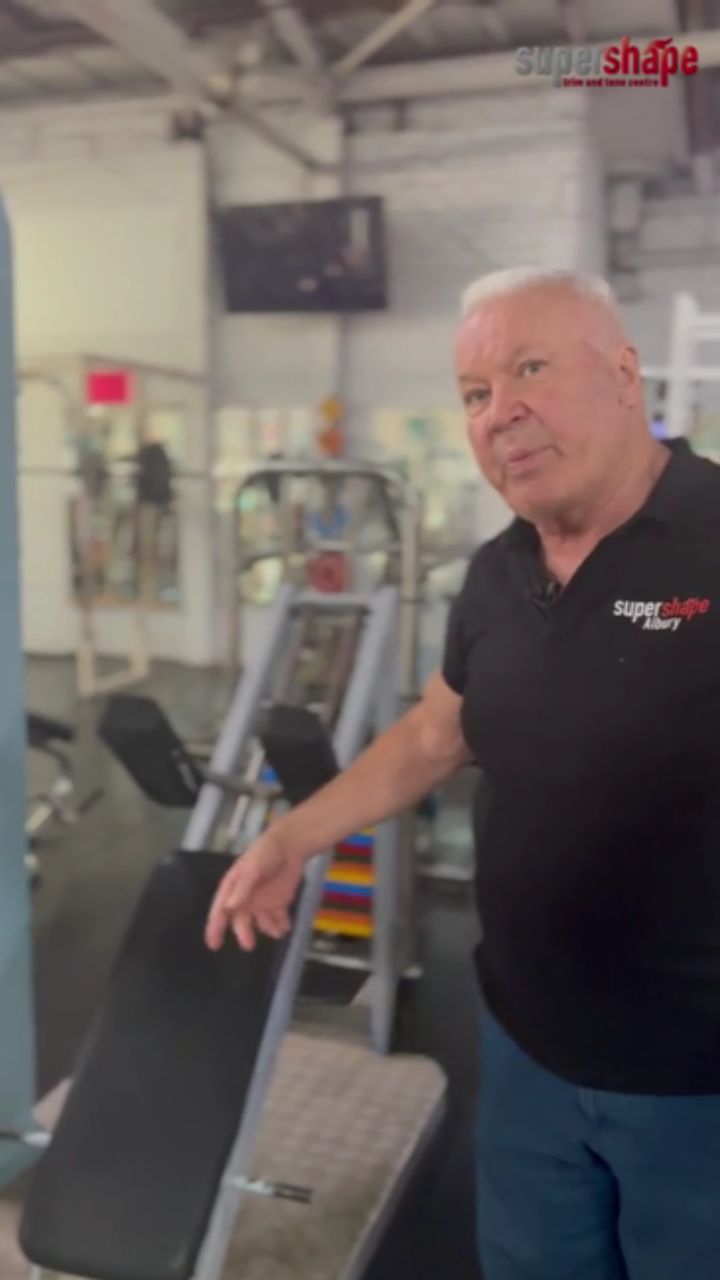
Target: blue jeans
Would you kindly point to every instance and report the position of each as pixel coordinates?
(577, 1184)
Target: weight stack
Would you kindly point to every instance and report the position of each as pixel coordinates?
(347, 908)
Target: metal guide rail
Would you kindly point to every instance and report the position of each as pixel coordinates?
(327, 525)
(221, 1055)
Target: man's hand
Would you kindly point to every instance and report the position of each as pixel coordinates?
(255, 895)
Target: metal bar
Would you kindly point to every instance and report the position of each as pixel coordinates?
(17, 1061)
(137, 667)
(386, 854)
(381, 36)
(245, 805)
(154, 40)
(391, 492)
(347, 643)
(336, 961)
(348, 741)
(351, 548)
(238, 724)
(143, 366)
(685, 313)
(293, 29)
(411, 575)
(695, 372)
(343, 602)
(261, 126)
(241, 785)
(302, 467)
(244, 809)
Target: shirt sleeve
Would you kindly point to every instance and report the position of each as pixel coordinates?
(462, 622)
(453, 663)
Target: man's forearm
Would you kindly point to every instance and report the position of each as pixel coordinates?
(391, 775)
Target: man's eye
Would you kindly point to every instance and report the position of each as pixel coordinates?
(531, 366)
(476, 397)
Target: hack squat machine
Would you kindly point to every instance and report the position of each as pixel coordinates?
(215, 1125)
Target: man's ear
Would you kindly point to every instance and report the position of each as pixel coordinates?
(627, 363)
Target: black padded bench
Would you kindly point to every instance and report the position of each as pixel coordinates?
(128, 1184)
(42, 731)
(126, 1189)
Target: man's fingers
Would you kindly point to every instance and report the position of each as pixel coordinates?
(243, 930)
(272, 923)
(215, 933)
(217, 923)
(282, 919)
(232, 894)
(241, 882)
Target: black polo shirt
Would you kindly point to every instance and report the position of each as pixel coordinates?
(596, 722)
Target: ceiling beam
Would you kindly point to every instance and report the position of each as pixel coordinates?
(194, 73)
(441, 77)
(49, 38)
(24, 18)
(381, 36)
(294, 32)
(150, 38)
(574, 20)
(495, 22)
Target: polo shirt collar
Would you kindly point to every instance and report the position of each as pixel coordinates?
(672, 491)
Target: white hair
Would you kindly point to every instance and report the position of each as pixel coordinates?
(518, 279)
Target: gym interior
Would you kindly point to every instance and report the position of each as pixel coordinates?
(238, 499)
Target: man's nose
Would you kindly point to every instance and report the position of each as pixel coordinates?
(505, 408)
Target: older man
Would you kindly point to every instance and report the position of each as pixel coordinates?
(582, 672)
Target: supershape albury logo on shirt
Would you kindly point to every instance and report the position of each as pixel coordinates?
(661, 615)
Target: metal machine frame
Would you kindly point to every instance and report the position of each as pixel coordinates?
(402, 508)
(690, 329)
(368, 705)
(368, 695)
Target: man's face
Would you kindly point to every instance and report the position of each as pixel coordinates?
(551, 392)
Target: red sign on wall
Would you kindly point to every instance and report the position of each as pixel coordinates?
(109, 386)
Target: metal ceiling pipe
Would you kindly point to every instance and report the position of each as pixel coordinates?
(148, 36)
(198, 77)
(293, 30)
(574, 20)
(381, 36)
(441, 77)
(485, 73)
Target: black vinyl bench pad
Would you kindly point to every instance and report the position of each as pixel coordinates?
(42, 731)
(126, 1189)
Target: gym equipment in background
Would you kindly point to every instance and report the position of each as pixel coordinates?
(175, 1074)
(682, 380)
(177, 1115)
(57, 804)
(98, 437)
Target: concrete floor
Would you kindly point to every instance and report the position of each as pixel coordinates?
(91, 878)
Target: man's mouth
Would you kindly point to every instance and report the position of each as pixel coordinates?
(522, 459)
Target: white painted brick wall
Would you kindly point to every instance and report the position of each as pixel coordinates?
(273, 361)
(469, 185)
(680, 252)
(111, 259)
(463, 196)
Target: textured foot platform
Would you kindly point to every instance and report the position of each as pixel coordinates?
(341, 1121)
